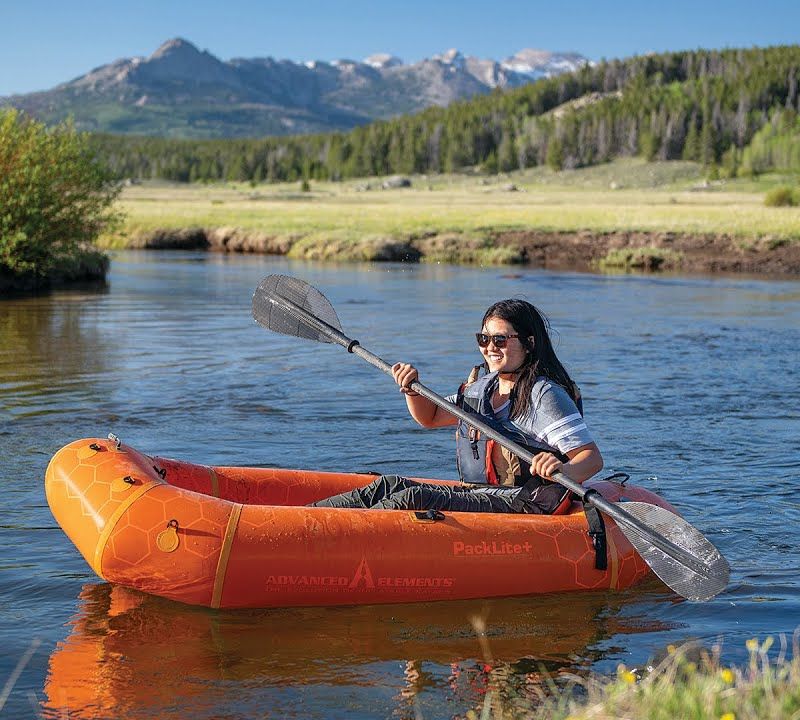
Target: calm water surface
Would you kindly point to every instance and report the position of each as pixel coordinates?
(691, 386)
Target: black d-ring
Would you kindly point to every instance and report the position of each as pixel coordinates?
(429, 515)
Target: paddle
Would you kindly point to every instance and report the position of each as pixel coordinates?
(675, 550)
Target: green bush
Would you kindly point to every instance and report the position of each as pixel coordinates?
(782, 196)
(55, 199)
(640, 258)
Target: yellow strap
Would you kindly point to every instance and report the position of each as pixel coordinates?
(111, 523)
(214, 482)
(224, 554)
(613, 556)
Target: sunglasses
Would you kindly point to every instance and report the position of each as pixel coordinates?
(499, 341)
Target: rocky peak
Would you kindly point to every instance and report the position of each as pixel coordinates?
(175, 46)
(452, 57)
(179, 60)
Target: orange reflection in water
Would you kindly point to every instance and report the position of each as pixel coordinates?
(132, 655)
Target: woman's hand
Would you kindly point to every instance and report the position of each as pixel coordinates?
(545, 464)
(405, 374)
(584, 462)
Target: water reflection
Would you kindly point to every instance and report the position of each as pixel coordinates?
(50, 353)
(131, 655)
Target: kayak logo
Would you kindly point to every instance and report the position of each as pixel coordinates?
(362, 573)
(362, 581)
(495, 547)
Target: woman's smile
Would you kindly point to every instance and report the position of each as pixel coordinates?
(505, 359)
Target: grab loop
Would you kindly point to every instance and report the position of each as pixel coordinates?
(428, 516)
(87, 451)
(123, 484)
(615, 478)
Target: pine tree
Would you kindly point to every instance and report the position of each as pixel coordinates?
(555, 154)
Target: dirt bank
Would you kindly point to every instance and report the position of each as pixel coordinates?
(585, 250)
(656, 251)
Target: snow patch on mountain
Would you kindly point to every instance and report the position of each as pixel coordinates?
(381, 61)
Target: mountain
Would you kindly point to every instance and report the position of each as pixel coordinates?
(735, 111)
(181, 91)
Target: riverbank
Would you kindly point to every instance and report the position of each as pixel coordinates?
(583, 250)
(626, 215)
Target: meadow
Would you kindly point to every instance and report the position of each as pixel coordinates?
(628, 195)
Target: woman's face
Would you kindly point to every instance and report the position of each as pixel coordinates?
(505, 359)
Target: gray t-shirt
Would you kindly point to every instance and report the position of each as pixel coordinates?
(553, 420)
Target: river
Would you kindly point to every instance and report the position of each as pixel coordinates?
(690, 385)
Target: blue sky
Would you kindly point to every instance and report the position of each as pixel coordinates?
(45, 42)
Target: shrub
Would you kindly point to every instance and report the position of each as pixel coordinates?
(55, 199)
(782, 196)
(640, 258)
(691, 682)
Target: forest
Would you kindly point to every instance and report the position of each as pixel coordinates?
(735, 111)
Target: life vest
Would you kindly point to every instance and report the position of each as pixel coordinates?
(474, 452)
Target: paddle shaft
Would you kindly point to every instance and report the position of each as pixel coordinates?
(591, 497)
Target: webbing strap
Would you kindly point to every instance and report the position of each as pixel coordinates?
(224, 554)
(597, 531)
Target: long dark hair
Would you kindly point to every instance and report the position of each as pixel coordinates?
(534, 334)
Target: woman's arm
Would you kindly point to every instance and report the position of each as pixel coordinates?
(421, 409)
(584, 462)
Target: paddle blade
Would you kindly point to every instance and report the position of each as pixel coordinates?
(699, 577)
(271, 313)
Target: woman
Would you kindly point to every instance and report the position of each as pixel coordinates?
(528, 396)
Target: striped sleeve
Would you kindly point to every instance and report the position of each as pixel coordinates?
(555, 420)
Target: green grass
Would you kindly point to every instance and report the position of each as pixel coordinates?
(626, 195)
(690, 683)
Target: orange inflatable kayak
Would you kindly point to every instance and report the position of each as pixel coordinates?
(228, 537)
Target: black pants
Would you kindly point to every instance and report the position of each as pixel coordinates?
(393, 492)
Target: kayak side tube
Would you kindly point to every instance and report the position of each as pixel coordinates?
(242, 537)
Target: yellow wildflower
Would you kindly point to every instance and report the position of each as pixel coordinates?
(727, 676)
(728, 716)
(752, 645)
